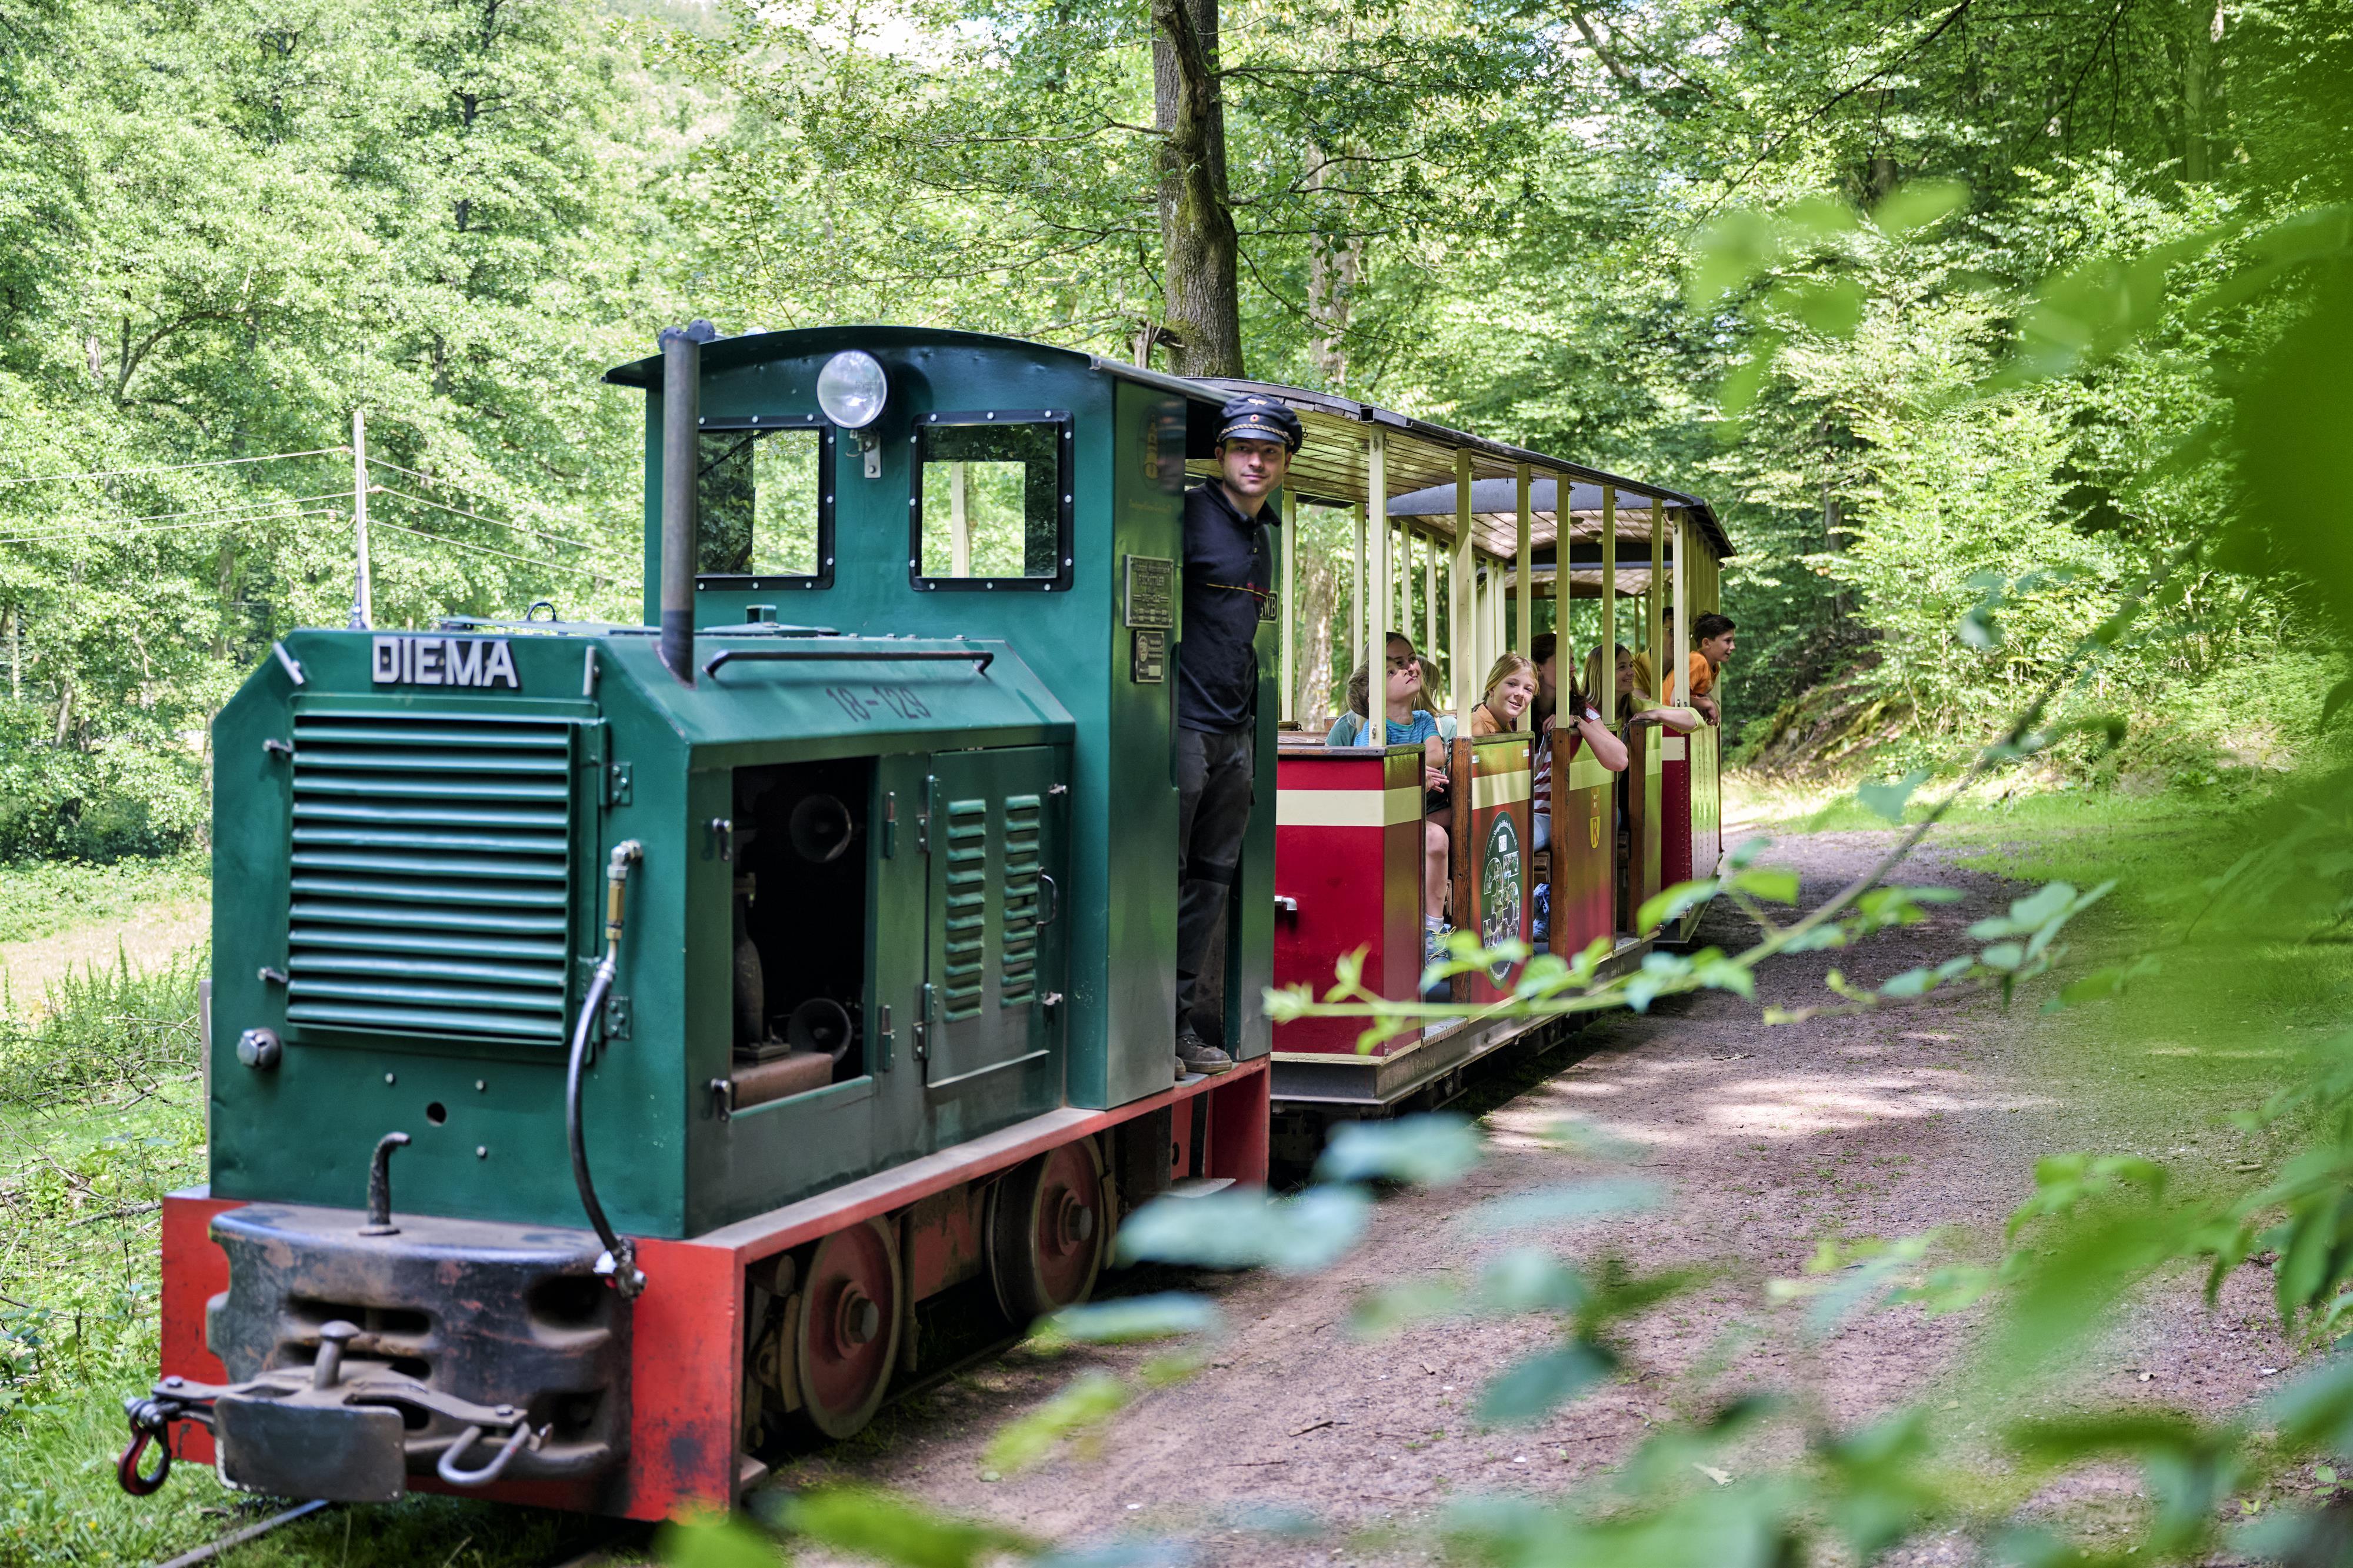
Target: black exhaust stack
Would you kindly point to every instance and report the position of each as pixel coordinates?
(682, 420)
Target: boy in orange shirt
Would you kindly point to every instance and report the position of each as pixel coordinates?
(1713, 633)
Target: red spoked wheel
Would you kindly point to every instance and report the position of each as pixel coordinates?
(1047, 1225)
(845, 1338)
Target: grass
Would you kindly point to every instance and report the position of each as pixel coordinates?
(99, 1116)
(42, 897)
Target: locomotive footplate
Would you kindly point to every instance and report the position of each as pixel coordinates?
(467, 1350)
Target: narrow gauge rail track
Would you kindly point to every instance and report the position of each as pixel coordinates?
(596, 1556)
(211, 1551)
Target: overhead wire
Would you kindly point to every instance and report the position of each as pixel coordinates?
(509, 554)
(167, 527)
(498, 522)
(171, 468)
(445, 483)
(242, 511)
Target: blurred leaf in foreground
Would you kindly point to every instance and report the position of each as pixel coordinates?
(1243, 1228)
(1428, 1150)
(889, 1529)
(1167, 1315)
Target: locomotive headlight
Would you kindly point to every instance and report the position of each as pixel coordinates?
(850, 389)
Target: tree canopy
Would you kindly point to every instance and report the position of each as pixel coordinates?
(226, 227)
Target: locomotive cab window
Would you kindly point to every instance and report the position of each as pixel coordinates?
(992, 501)
(766, 506)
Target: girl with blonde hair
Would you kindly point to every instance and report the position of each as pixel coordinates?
(1511, 687)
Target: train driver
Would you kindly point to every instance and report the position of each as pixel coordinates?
(1228, 577)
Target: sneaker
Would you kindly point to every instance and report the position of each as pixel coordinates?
(1196, 1055)
(1433, 942)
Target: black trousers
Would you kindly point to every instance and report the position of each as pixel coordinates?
(1216, 774)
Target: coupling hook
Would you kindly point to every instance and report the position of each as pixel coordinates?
(448, 1468)
(149, 1424)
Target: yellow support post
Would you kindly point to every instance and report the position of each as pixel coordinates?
(1607, 698)
(1401, 577)
(1286, 605)
(1377, 640)
(1523, 605)
(1429, 596)
(1654, 602)
(1356, 592)
(1678, 654)
(1497, 599)
(1461, 631)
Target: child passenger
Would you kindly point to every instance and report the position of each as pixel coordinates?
(1511, 687)
(1408, 724)
(1633, 685)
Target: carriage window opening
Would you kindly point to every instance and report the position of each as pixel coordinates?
(762, 503)
(990, 500)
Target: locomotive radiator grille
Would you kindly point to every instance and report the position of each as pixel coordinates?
(432, 887)
(967, 910)
(1018, 973)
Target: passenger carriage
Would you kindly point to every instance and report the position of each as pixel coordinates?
(1485, 516)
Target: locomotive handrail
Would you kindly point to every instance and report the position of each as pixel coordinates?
(979, 658)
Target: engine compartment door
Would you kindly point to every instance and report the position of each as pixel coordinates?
(993, 938)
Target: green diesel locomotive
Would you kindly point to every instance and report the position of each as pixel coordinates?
(620, 1035)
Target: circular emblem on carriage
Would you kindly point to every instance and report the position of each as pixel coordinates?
(1499, 890)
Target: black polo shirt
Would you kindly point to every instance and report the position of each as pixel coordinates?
(1229, 575)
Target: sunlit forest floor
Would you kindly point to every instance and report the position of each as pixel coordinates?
(1301, 1442)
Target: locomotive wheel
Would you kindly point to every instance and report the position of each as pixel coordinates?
(1046, 1232)
(846, 1335)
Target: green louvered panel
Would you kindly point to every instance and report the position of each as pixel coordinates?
(965, 947)
(1017, 965)
(431, 877)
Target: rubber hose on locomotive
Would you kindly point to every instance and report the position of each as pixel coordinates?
(620, 1255)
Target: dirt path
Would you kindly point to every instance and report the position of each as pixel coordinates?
(1769, 1141)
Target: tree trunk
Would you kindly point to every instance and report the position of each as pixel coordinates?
(1334, 259)
(1199, 252)
(2203, 24)
(1316, 581)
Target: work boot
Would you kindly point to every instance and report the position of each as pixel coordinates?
(1195, 1054)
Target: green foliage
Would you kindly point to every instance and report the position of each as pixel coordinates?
(886, 1528)
(40, 898)
(1570, 1204)
(1168, 1315)
(1089, 1402)
(1425, 1150)
(228, 227)
(1243, 1228)
(718, 1542)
